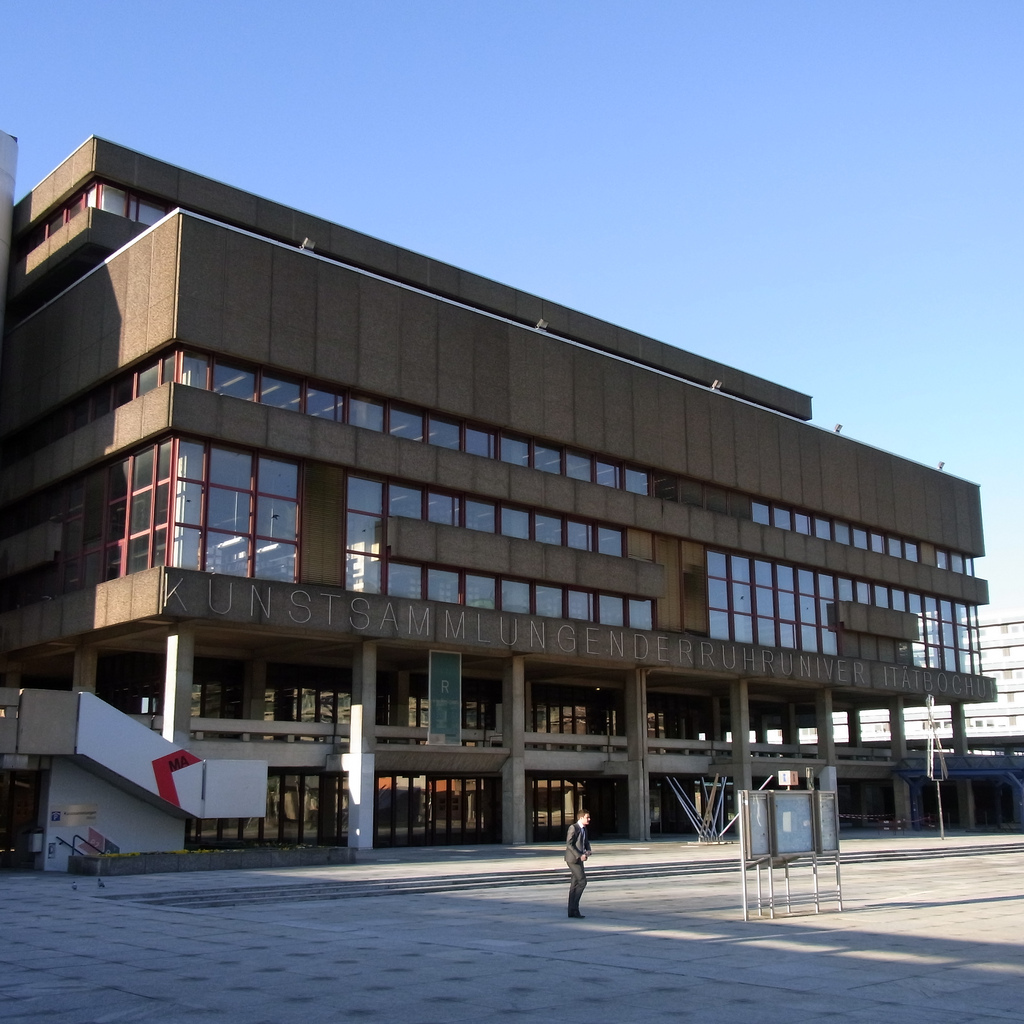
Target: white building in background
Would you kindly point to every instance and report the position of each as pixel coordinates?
(1001, 722)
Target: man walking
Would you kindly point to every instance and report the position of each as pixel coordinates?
(577, 850)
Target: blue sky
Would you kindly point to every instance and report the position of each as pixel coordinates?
(827, 193)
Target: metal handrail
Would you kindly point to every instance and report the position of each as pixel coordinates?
(71, 846)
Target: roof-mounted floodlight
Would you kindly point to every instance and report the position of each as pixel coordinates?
(716, 385)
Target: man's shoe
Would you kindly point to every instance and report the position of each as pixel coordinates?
(577, 914)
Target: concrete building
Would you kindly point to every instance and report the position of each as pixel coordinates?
(441, 558)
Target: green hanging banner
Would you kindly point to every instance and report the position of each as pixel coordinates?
(445, 711)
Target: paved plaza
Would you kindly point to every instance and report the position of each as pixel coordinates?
(930, 933)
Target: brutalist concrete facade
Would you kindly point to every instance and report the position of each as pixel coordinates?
(652, 564)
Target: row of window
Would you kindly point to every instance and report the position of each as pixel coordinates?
(371, 413)
(99, 195)
(825, 528)
(753, 600)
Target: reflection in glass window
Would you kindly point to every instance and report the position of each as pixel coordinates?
(407, 423)
(443, 585)
(611, 610)
(480, 591)
(443, 433)
(279, 393)
(515, 596)
(443, 508)
(641, 614)
(609, 541)
(230, 469)
(547, 529)
(579, 535)
(227, 554)
(367, 413)
(760, 513)
(607, 474)
(362, 573)
(367, 495)
(577, 466)
(234, 381)
(637, 480)
(480, 516)
(515, 450)
(480, 442)
(405, 501)
(325, 405)
(547, 460)
(515, 523)
(581, 604)
(548, 601)
(405, 580)
(364, 532)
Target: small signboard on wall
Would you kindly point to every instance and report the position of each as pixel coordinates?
(445, 690)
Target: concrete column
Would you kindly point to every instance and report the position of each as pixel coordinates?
(739, 722)
(964, 789)
(513, 736)
(177, 704)
(902, 805)
(853, 720)
(254, 695)
(359, 761)
(638, 779)
(84, 671)
(826, 739)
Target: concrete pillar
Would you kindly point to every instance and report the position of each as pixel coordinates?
(513, 736)
(84, 672)
(966, 812)
(739, 723)
(177, 703)
(791, 726)
(254, 694)
(853, 721)
(638, 779)
(826, 739)
(359, 761)
(902, 805)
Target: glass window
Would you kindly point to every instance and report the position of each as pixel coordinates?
(148, 379)
(910, 551)
(193, 370)
(234, 381)
(607, 474)
(362, 573)
(578, 535)
(480, 591)
(716, 564)
(405, 501)
(188, 503)
(480, 516)
(547, 529)
(860, 538)
(842, 532)
(609, 541)
(275, 561)
(782, 518)
(637, 480)
(956, 562)
(760, 513)
(581, 605)
(276, 517)
(231, 469)
(227, 554)
(444, 433)
(185, 548)
(113, 200)
(277, 477)
(364, 532)
(547, 460)
(148, 213)
(515, 596)
(895, 547)
(716, 500)
(405, 422)
(228, 510)
(325, 405)
(367, 495)
(801, 523)
(405, 580)
(280, 393)
(577, 466)
(443, 585)
(641, 614)
(822, 528)
(515, 450)
(666, 487)
(611, 610)
(878, 543)
(549, 601)
(367, 413)
(443, 508)
(480, 442)
(941, 559)
(515, 523)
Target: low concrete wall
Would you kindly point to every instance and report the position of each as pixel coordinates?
(218, 860)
